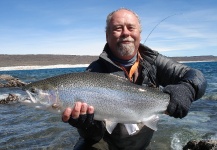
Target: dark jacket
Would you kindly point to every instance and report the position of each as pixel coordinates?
(155, 70)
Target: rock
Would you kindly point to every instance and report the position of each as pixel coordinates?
(201, 145)
(10, 98)
(10, 81)
(6, 77)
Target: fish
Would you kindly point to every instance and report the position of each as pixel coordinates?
(115, 99)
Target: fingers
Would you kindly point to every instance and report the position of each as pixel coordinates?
(90, 110)
(83, 110)
(66, 114)
(79, 109)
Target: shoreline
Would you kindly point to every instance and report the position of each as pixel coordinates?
(12, 68)
(196, 61)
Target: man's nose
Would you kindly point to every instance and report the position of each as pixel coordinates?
(125, 32)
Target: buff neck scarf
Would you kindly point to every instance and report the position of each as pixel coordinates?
(124, 63)
(132, 63)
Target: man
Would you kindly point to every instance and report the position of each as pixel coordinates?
(125, 56)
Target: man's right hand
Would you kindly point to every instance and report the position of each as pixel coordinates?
(81, 116)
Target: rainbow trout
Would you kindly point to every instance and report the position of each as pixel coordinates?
(114, 98)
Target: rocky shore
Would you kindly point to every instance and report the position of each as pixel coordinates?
(201, 145)
(9, 81)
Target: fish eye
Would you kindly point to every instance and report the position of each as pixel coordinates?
(33, 90)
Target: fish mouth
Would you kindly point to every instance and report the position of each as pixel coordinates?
(31, 99)
(41, 99)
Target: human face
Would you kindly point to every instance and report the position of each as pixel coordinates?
(123, 35)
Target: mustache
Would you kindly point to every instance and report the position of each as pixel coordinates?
(126, 40)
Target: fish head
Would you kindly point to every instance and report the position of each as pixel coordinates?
(42, 97)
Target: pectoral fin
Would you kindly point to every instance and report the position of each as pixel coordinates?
(110, 126)
(151, 122)
(131, 128)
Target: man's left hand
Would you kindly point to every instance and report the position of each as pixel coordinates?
(181, 97)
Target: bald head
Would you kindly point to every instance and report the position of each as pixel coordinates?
(108, 19)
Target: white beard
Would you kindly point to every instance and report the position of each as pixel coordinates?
(126, 49)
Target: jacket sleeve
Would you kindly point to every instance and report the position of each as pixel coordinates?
(95, 67)
(172, 72)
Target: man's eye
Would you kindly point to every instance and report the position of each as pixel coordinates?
(117, 29)
(131, 28)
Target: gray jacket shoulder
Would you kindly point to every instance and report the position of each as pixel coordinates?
(163, 71)
(172, 72)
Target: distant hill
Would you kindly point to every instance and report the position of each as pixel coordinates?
(195, 58)
(43, 60)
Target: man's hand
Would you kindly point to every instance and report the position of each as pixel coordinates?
(181, 97)
(81, 116)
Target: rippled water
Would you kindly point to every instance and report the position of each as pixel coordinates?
(22, 127)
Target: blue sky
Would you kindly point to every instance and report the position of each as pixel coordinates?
(78, 27)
